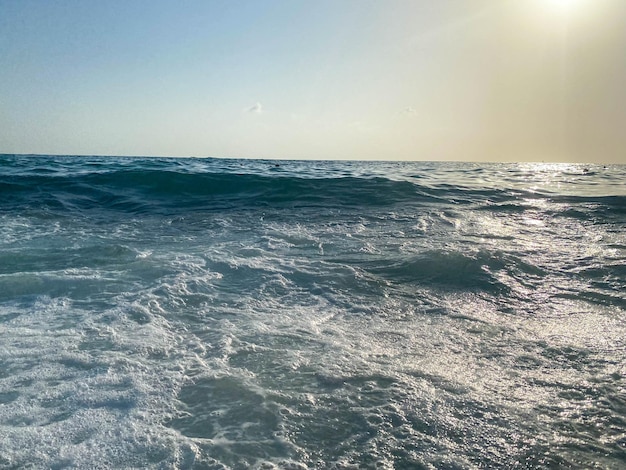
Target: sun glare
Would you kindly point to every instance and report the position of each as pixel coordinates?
(564, 5)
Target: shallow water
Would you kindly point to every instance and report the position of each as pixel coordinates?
(207, 313)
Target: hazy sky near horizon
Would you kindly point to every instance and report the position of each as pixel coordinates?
(490, 80)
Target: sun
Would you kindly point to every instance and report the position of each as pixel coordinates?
(565, 8)
(564, 5)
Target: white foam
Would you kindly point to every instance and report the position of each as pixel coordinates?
(91, 395)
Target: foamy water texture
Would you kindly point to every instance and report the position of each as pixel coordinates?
(218, 314)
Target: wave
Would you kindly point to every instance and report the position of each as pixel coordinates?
(140, 190)
(156, 186)
(492, 272)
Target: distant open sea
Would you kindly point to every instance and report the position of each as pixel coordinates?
(231, 314)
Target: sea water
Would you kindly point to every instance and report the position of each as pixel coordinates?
(231, 314)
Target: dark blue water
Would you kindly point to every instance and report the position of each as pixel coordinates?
(216, 314)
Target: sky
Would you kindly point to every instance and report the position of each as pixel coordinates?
(462, 80)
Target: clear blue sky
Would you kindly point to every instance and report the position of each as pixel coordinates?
(350, 79)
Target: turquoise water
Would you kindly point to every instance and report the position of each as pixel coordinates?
(218, 314)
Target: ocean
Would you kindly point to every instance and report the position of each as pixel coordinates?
(181, 313)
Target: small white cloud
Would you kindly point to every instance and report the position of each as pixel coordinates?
(256, 108)
(409, 111)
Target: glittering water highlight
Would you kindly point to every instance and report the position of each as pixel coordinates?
(217, 314)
